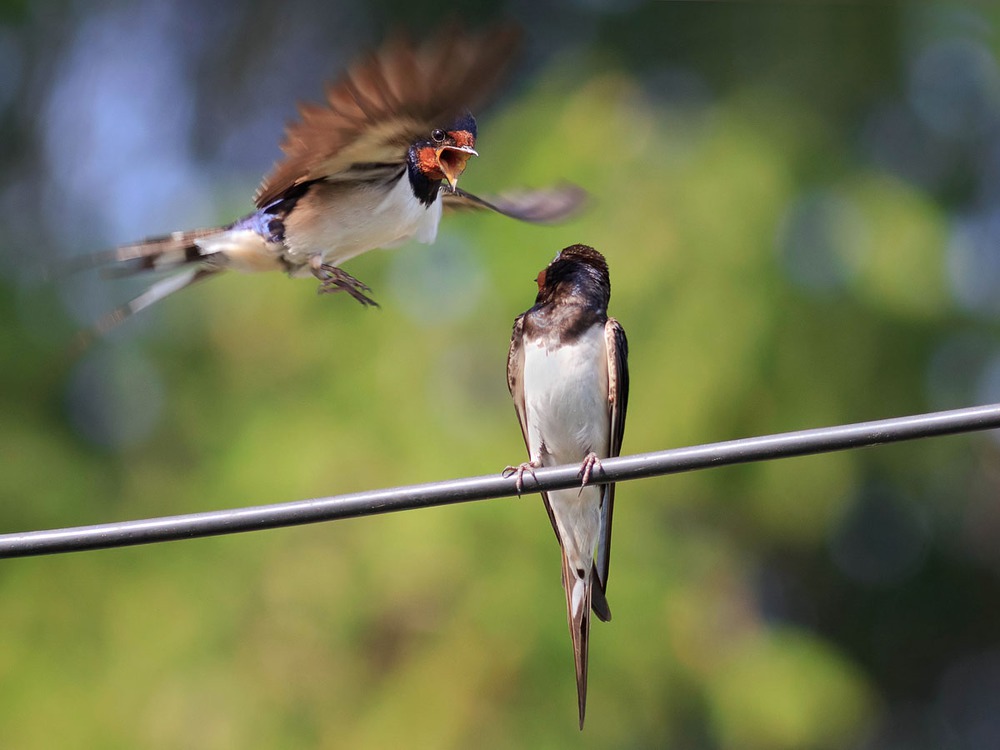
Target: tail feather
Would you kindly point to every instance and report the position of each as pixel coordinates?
(160, 253)
(159, 290)
(192, 255)
(578, 602)
(155, 254)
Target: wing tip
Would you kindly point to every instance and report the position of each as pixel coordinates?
(598, 598)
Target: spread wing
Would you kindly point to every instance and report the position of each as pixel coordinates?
(618, 397)
(386, 101)
(543, 206)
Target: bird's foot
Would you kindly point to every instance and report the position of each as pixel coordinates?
(333, 279)
(587, 467)
(527, 466)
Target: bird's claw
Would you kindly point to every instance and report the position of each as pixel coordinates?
(527, 466)
(333, 279)
(587, 467)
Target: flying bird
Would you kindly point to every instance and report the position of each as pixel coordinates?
(374, 166)
(567, 372)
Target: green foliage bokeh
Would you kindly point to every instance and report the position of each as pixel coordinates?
(446, 627)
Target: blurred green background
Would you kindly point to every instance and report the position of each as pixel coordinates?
(800, 205)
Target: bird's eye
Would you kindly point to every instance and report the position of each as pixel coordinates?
(437, 135)
(540, 279)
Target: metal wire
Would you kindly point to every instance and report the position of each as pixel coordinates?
(231, 521)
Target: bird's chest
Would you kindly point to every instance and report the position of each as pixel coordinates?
(340, 221)
(566, 396)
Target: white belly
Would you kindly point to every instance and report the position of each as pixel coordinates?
(566, 407)
(339, 222)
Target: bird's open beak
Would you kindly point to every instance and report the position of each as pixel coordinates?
(452, 159)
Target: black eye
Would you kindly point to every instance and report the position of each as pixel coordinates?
(437, 135)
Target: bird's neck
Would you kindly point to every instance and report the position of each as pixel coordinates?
(424, 188)
(565, 321)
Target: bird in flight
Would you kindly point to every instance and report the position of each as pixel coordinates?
(567, 371)
(372, 167)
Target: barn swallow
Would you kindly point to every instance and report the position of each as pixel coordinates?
(372, 167)
(567, 371)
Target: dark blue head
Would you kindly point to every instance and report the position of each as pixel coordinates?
(441, 156)
(467, 123)
(578, 270)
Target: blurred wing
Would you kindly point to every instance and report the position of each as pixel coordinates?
(544, 206)
(618, 397)
(386, 101)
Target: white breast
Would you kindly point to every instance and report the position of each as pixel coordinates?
(567, 413)
(339, 221)
(566, 398)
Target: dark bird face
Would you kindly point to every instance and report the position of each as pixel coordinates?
(576, 268)
(443, 156)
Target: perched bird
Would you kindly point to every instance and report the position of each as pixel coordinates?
(372, 167)
(567, 371)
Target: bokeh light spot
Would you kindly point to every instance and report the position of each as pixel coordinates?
(819, 240)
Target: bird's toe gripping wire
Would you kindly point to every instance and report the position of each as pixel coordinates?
(519, 470)
(587, 467)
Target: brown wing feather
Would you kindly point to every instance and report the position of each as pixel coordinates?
(515, 375)
(386, 101)
(618, 397)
